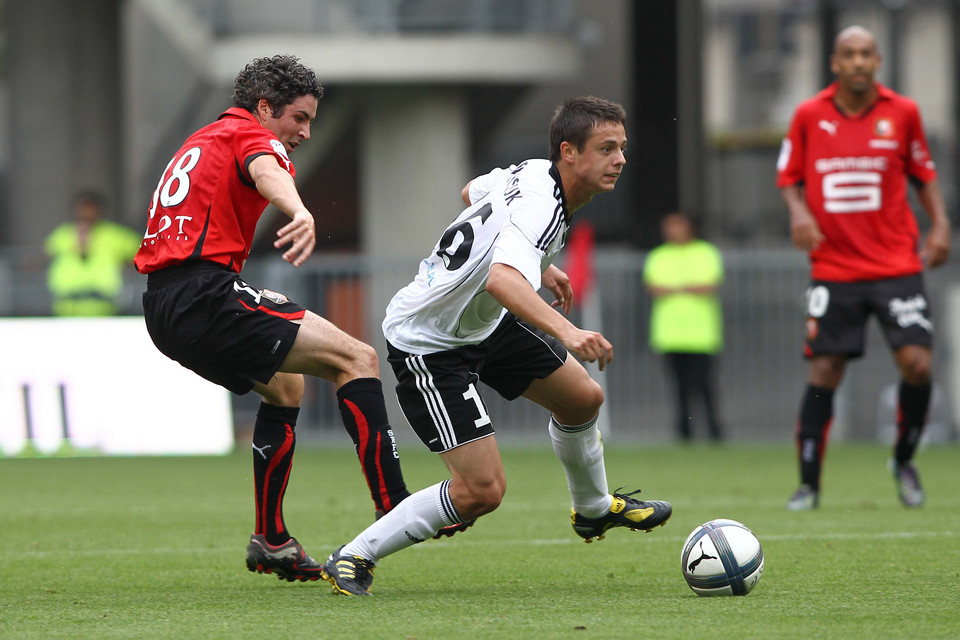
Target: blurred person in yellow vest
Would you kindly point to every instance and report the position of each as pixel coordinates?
(686, 322)
(87, 260)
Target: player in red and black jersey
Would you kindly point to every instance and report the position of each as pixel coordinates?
(200, 313)
(843, 173)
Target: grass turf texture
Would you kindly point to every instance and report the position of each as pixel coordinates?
(154, 548)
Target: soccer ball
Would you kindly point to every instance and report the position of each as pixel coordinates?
(722, 558)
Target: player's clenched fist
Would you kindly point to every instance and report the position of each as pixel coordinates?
(590, 346)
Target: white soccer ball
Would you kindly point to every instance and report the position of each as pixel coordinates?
(722, 558)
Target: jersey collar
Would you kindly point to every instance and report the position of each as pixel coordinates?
(238, 112)
(883, 93)
(555, 174)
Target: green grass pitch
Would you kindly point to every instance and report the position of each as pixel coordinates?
(154, 548)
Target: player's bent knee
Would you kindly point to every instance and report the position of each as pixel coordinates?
(362, 360)
(369, 361)
(482, 504)
(827, 371)
(586, 400)
(914, 366)
(595, 398)
(917, 375)
(285, 390)
(475, 501)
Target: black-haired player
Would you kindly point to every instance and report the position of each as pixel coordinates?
(473, 315)
(200, 312)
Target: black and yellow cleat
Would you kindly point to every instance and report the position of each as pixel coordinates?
(625, 511)
(349, 575)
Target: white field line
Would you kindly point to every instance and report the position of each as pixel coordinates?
(653, 538)
(464, 540)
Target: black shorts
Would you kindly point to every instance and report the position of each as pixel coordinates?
(209, 320)
(837, 314)
(438, 393)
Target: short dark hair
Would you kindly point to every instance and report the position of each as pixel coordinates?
(89, 197)
(574, 121)
(279, 80)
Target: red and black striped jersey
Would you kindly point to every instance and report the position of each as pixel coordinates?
(206, 206)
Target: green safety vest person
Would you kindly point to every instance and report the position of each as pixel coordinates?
(686, 326)
(88, 255)
(683, 275)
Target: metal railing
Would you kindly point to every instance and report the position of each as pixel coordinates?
(761, 371)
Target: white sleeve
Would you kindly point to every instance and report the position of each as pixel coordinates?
(521, 242)
(482, 185)
(514, 249)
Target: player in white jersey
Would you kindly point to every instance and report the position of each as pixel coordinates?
(518, 218)
(474, 313)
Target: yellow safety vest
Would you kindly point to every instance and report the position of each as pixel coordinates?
(685, 322)
(88, 285)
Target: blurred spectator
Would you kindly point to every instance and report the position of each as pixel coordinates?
(88, 256)
(686, 323)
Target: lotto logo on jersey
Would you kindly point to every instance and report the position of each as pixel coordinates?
(883, 128)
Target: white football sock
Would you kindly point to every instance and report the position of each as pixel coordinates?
(418, 517)
(580, 449)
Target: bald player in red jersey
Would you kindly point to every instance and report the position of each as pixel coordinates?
(200, 313)
(843, 171)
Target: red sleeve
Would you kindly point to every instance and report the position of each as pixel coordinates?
(258, 141)
(790, 162)
(919, 165)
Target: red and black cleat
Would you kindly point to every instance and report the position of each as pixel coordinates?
(288, 561)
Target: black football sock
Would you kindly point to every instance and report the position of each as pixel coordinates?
(911, 417)
(273, 443)
(816, 416)
(365, 418)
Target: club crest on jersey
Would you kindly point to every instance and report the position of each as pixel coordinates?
(280, 150)
(883, 128)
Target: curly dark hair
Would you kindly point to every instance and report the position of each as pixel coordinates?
(279, 80)
(574, 120)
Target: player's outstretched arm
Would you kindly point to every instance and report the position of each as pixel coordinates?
(511, 289)
(277, 186)
(936, 247)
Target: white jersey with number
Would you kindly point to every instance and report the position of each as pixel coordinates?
(519, 218)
